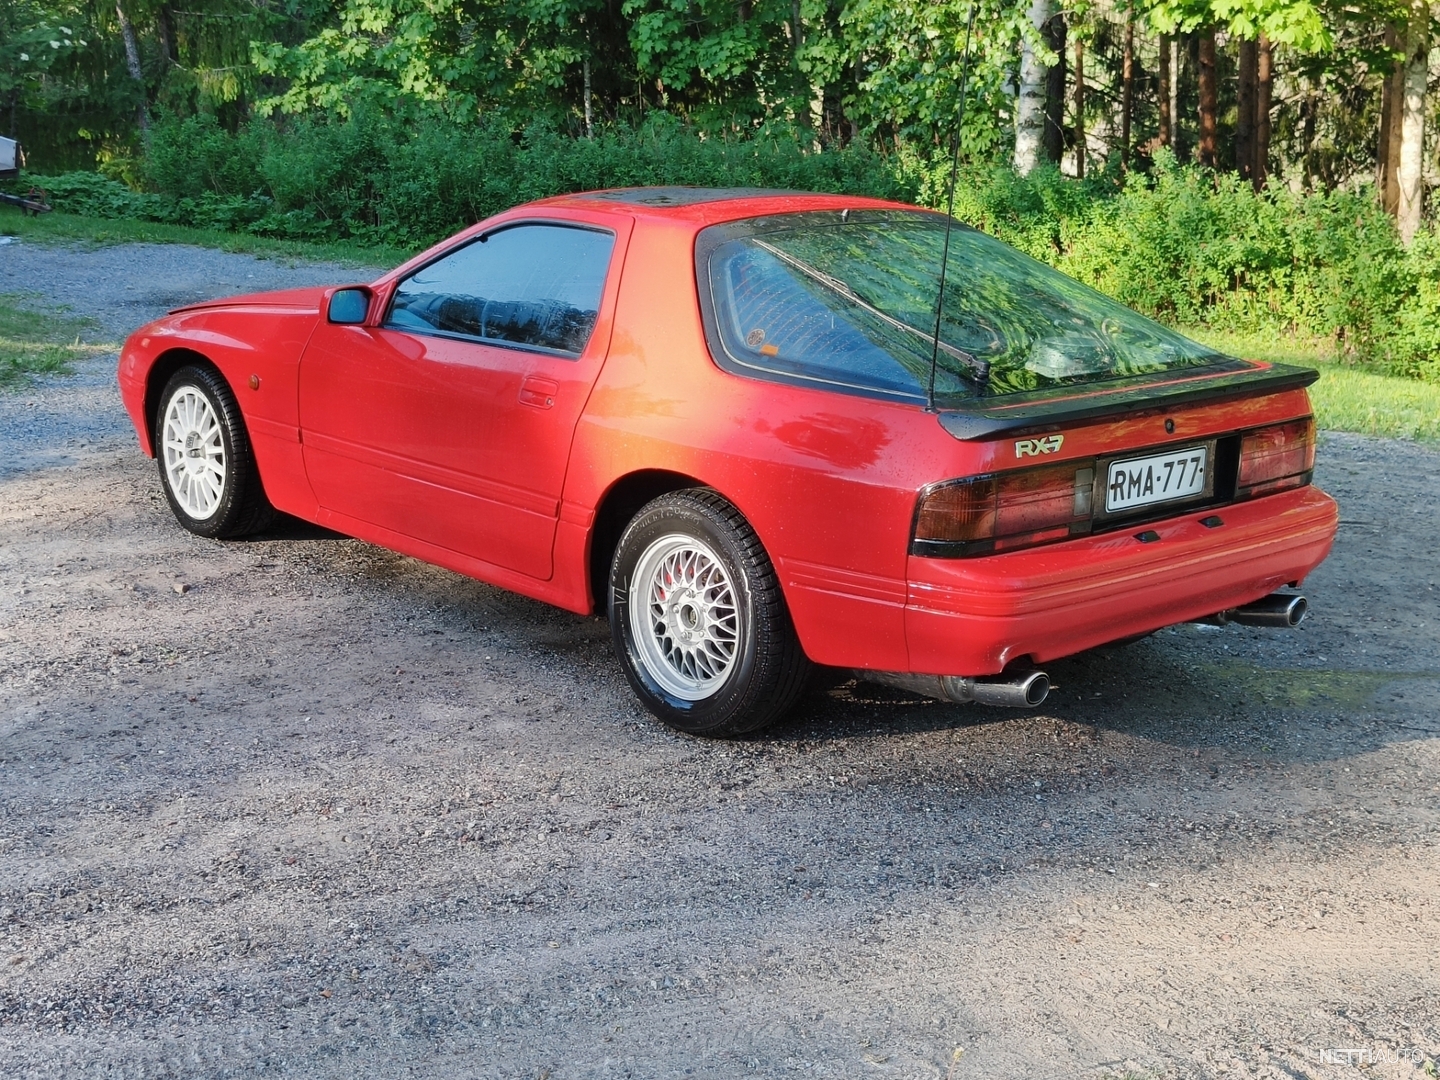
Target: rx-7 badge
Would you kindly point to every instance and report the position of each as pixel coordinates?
(1031, 447)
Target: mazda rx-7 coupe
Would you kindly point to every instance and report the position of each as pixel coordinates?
(749, 428)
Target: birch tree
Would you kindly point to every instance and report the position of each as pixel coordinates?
(1412, 121)
(1030, 111)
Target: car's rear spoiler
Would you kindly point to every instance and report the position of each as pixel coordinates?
(1046, 410)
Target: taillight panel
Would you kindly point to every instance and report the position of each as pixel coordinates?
(984, 514)
(1276, 458)
(1002, 511)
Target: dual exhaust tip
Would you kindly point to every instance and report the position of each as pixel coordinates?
(1027, 689)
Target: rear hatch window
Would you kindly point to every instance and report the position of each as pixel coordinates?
(847, 300)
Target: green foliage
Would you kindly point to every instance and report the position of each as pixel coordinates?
(60, 227)
(1184, 245)
(195, 156)
(1200, 249)
(1194, 247)
(1297, 23)
(1410, 343)
(454, 54)
(374, 179)
(912, 53)
(33, 42)
(98, 196)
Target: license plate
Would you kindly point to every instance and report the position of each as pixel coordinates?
(1175, 474)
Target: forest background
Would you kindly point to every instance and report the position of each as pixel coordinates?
(1252, 167)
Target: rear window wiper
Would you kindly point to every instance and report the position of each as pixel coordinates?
(977, 369)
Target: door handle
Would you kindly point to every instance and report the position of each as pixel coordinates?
(538, 392)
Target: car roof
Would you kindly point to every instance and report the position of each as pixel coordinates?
(708, 206)
(689, 208)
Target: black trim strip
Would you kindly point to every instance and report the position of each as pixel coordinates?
(1045, 411)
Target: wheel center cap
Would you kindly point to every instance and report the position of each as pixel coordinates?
(687, 619)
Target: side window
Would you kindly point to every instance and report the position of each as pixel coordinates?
(529, 285)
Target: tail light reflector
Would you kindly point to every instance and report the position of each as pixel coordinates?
(1276, 458)
(1006, 510)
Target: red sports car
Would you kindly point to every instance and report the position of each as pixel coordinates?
(748, 427)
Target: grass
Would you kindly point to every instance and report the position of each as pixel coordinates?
(58, 227)
(1346, 398)
(37, 343)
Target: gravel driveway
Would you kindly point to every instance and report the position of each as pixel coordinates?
(298, 806)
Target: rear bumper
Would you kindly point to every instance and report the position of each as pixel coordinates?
(975, 616)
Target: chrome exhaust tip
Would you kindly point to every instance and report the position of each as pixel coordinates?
(1283, 610)
(1022, 690)
(1279, 611)
(1017, 690)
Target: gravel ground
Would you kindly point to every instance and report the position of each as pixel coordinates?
(300, 806)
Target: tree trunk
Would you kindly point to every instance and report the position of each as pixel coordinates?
(853, 121)
(802, 85)
(1412, 120)
(132, 62)
(1127, 86)
(1080, 110)
(165, 27)
(1030, 102)
(1208, 103)
(1164, 135)
(1387, 155)
(1175, 95)
(1055, 90)
(1264, 91)
(1245, 110)
(1309, 108)
(589, 116)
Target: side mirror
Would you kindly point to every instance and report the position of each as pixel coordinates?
(349, 306)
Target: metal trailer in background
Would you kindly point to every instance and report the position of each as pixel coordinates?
(11, 159)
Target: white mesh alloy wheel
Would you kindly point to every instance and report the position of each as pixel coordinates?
(193, 446)
(684, 616)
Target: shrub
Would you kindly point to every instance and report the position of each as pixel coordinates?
(1183, 244)
(93, 195)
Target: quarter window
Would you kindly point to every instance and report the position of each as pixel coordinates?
(534, 286)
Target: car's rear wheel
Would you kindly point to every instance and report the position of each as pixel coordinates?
(699, 620)
(206, 465)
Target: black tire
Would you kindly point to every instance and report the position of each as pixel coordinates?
(240, 506)
(766, 670)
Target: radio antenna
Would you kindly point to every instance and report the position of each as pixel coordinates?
(950, 208)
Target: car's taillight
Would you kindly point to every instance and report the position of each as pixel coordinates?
(1276, 458)
(982, 515)
(1006, 510)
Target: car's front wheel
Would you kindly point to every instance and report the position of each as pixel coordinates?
(203, 450)
(699, 620)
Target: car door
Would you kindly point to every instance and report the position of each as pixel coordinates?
(451, 421)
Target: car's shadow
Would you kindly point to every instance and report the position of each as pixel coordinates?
(285, 527)
(1224, 690)
(1159, 691)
